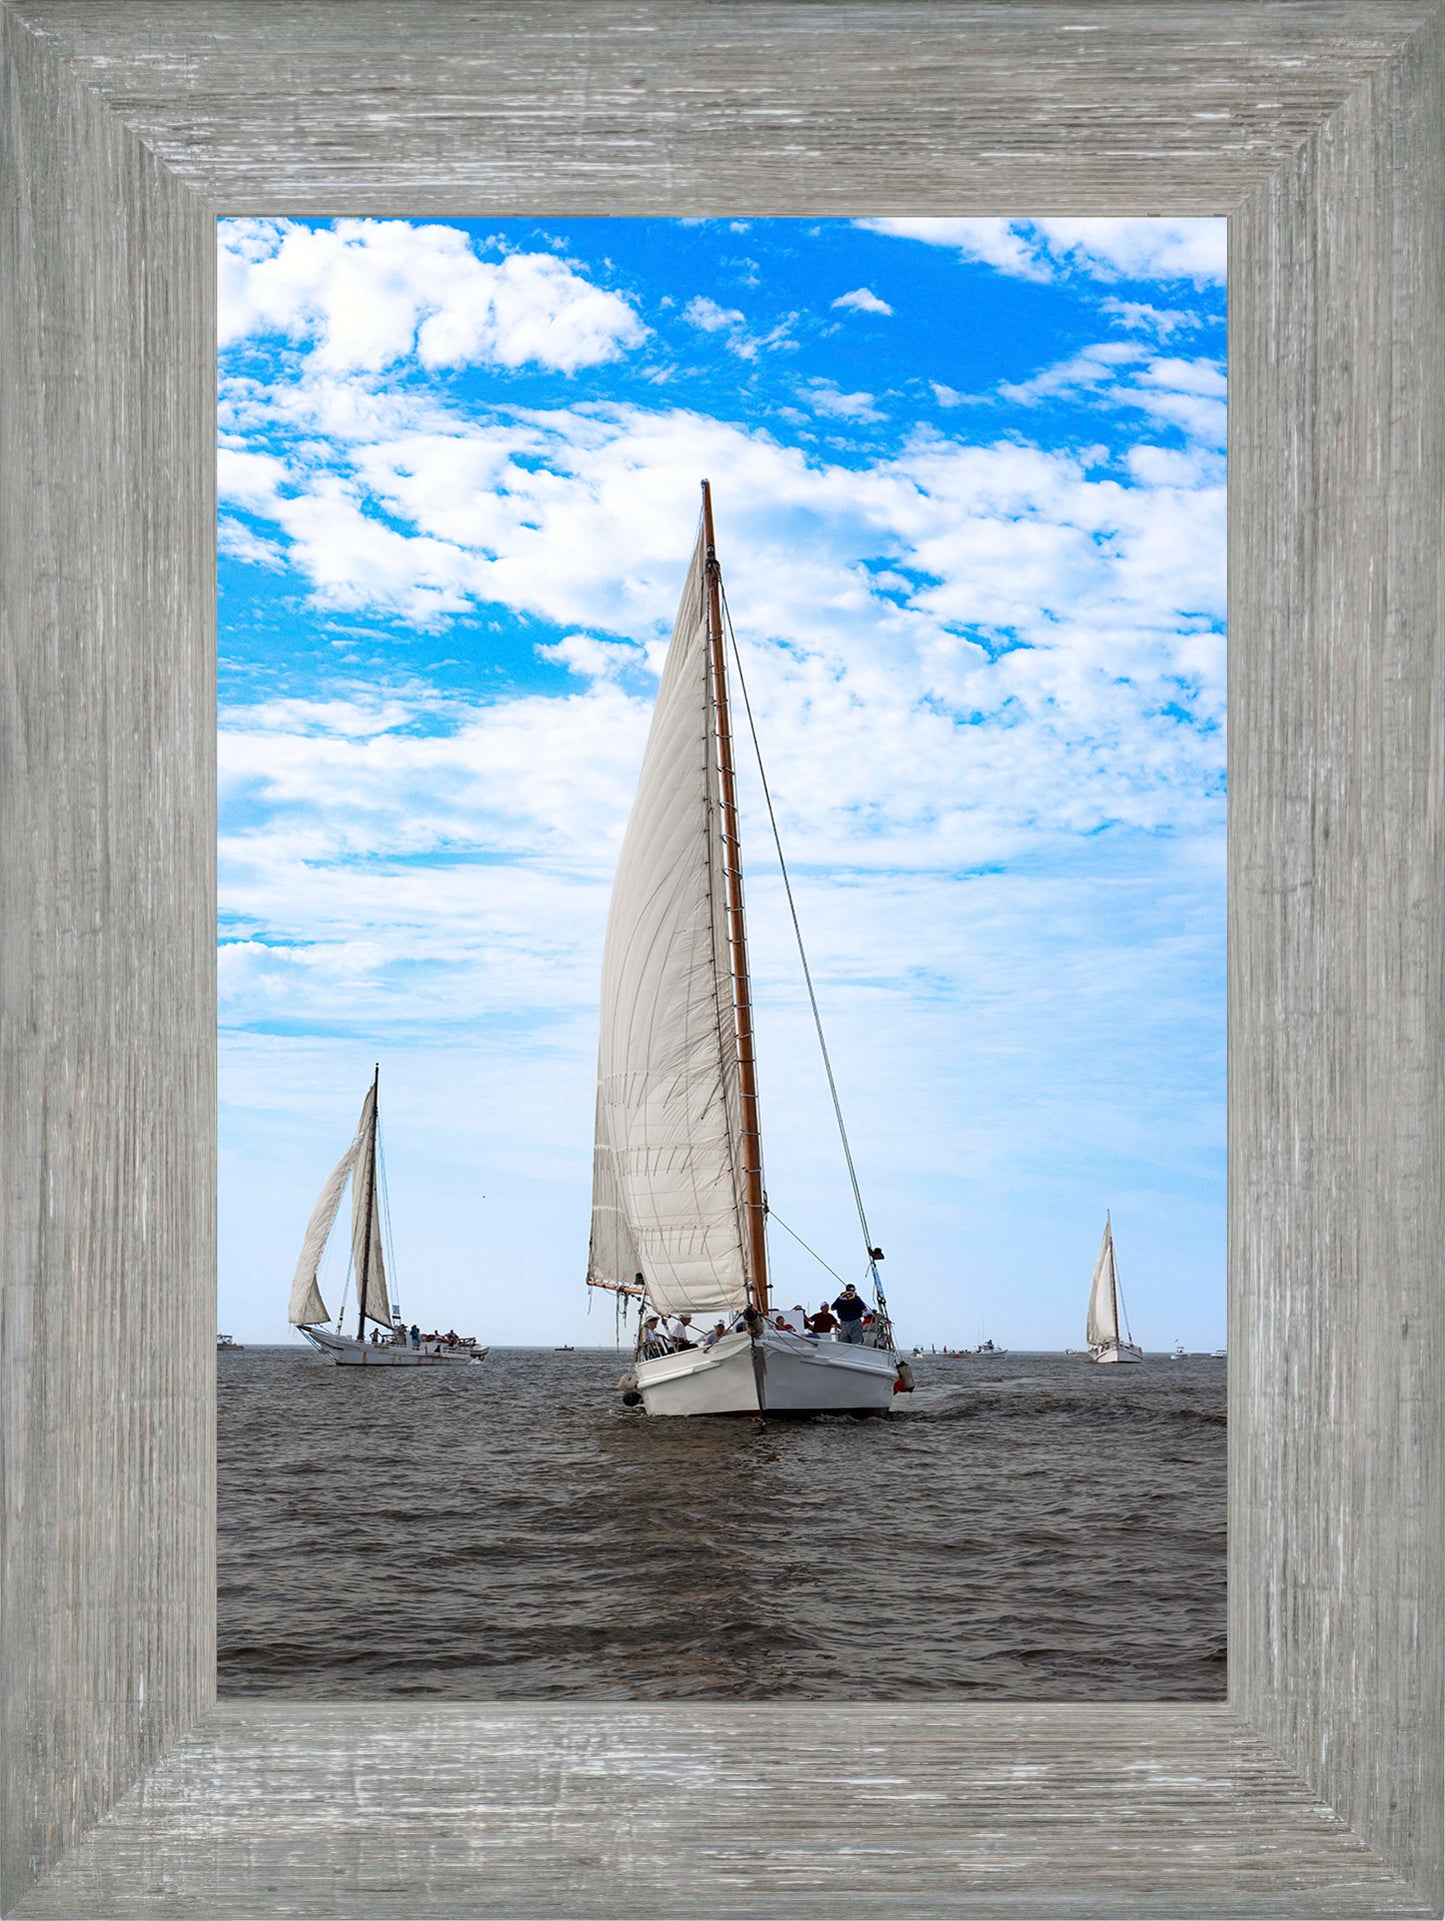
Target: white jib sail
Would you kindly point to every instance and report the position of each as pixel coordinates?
(370, 1272)
(1103, 1295)
(307, 1307)
(666, 1196)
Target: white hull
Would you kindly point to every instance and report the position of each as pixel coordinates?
(1116, 1351)
(352, 1353)
(781, 1374)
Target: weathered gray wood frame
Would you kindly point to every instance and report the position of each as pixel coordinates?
(1317, 126)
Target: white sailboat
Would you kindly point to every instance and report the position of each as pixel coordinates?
(360, 1165)
(1106, 1308)
(679, 1215)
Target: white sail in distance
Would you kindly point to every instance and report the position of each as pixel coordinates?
(307, 1307)
(668, 1195)
(1103, 1323)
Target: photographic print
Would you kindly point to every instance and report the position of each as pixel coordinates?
(722, 832)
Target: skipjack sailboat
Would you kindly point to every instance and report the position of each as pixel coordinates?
(1106, 1308)
(360, 1165)
(679, 1216)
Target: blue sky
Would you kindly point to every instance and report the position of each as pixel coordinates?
(969, 488)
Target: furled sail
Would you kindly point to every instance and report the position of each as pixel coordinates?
(1103, 1323)
(307, 1307)
(372, 1298)
(667, 1195)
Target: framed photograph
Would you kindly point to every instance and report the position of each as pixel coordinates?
(1319, 131)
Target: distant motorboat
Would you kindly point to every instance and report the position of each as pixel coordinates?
(564, 1350)
(390, 1344)
(225, 1344)
(1219, 1354)
(987, 1347)
(1179, 1354)
(1106, 1344)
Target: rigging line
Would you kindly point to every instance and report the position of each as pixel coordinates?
(798, 934)
(384, 1213)
(773, 1215)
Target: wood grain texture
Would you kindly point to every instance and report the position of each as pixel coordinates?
(107, 1178)
(625, 1810)
(1337, 975)
(1317, 125)
(744, 106)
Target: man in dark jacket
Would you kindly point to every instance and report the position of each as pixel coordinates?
(850, 1309)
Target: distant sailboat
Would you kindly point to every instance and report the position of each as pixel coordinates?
(678, 1211)
(1106, 1309)
(360, 1165)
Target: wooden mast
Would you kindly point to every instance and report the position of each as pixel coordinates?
(370, 1208)
(751, 1143)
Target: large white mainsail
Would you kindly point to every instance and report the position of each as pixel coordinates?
(357, 1164)
(1103, 1322)
(307, 1307)
(668, 1193)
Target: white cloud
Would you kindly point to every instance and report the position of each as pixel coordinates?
(1187, 394)
(863, 300)
(594, 659)
(824, 397)
(365, 294)
(1004, 244)
(1140, 317)
(710, 317)
(1136, 249)
(235, 539)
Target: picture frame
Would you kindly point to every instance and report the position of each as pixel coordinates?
(1317, 126)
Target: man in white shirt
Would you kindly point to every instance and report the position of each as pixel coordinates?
(680, 1333)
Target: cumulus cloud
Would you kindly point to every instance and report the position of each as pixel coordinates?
(594, 659)
(1138, 249)
(888, 609)
(863, 300)
(365, 294)
(825, 397)
(710, 317)
(1139, 316)
(1175, 392)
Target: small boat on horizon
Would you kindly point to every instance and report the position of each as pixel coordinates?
(395, 1347)
(679, 1215)
(228, 1344)
(1106, 1308)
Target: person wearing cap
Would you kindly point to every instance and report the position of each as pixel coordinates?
(850, 1309)
(680, 1333)
(824, 1321)
(714, 1333)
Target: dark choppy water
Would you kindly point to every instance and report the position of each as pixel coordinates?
(1026, 1527)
